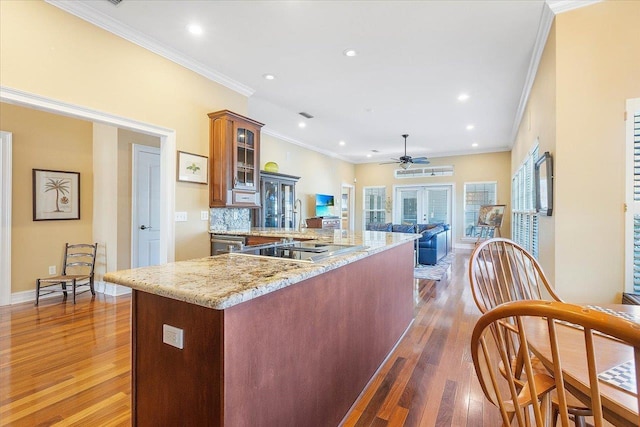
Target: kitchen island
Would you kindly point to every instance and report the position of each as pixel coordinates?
(266, 341)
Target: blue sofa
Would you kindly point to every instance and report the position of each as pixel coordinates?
(434, 244)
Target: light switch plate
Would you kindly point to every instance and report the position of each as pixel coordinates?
(204, 215)
(181, 216)
(173, 336)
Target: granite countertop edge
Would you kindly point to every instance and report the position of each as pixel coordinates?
(222, 281)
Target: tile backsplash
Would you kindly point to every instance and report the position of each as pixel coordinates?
(223, 219)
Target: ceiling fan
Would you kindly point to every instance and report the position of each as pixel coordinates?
(406, 161)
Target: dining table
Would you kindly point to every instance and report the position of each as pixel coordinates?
(620, 405)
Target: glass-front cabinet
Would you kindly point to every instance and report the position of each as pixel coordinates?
(278, 198)
(245, 166)
(234, 156)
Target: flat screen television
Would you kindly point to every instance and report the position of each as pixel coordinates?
(324, 205)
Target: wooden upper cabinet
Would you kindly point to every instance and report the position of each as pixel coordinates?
(234, 150)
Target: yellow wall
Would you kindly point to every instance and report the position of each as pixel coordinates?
(598, 68)
(589, 69)
(45, 141)
(92, 68)
(319, 173)
(471, 168)
(539, 125)
(51, 53)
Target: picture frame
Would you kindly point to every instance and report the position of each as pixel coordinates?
(544, 184)
(56, 195)
(193, 168)
(491, 215)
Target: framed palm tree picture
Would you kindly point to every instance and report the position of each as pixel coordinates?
(56, 195)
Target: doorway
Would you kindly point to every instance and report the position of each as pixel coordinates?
(167, 180)
(5, 217)
(347, 207)
(423, 204)
(145, 229)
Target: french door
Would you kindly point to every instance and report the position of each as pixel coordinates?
(423, 204)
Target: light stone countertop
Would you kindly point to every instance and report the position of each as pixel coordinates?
(222, 281)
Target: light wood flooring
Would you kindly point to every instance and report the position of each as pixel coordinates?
(62, 364)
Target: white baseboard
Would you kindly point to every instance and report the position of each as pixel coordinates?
(101, 287)
(25, 296)
(30, 296)
(469, 246)
(111, 289)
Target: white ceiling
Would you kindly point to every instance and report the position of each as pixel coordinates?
(414, 59)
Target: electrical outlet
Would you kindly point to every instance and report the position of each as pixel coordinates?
(204, 215)
(173, 336)
(52, 269)
(181, 216)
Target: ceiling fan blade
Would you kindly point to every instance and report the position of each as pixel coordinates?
(421, 160)
(388, 163)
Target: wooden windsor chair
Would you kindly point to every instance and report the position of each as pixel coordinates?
(489, 348)
(501, 271)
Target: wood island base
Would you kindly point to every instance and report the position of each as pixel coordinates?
(299, 356)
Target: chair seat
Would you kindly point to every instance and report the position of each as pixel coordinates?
(68, 278)
(574, 406)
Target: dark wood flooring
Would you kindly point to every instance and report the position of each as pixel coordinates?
(69, 365)
(429, 379)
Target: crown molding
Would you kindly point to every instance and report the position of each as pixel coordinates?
(107, 23)
(560, 6)
(541, 40)
(551, 8)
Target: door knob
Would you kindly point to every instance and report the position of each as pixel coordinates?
(144, 227)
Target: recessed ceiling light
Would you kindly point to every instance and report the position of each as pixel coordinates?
(195, 29)
(475, 144)
(341, 143)
(268, 76)
(369, 155)
(302, 124)
(470, 127)
(350, 52)
(463, 97)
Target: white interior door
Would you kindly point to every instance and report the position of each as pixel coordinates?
(5, 218)
(146, 206)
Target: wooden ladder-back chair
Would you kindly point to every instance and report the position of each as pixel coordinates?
(77, 270)
(501, 271)
(575, 364)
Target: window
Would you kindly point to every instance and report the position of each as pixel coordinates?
(477, 194)
(375, 202)
(524, 224)
(632, 225)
